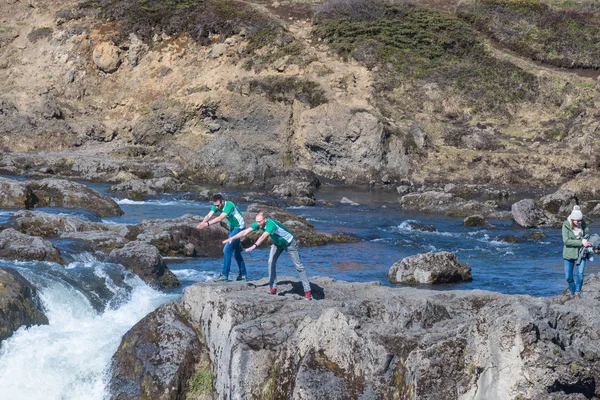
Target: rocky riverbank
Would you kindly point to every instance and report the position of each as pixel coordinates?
(361, 341)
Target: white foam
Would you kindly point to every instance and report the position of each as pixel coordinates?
(193, 275)
(68, 358)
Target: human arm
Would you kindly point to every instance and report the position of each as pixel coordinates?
(240, 234)
(206, 221)
(261, 239)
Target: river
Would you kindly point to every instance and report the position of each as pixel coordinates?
(90, 306)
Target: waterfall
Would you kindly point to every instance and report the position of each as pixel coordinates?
(90, 305)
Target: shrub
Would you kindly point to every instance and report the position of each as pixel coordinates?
(565, 37)
(39, 33)
(412, 43)
(285, 89)
(202, 19)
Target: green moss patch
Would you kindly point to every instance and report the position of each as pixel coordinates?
(408, 43)
(566, 36)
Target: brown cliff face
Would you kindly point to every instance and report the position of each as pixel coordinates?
(98, 93)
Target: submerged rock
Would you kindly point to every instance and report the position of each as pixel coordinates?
(362, 340)
(145, 260)
(15, 245)
(430, 268)
(19, 305)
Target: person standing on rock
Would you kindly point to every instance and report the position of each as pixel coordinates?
(235, 221)
(282, 240)
(574, 231)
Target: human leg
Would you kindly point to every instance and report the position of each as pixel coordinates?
(227, 253)
(273, 256)
(237, 253)
(569, 264)
(292, 250)
(579, 277)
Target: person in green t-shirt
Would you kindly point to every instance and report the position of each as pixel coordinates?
(282, 240)
(235, 221)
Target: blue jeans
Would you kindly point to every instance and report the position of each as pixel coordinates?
(235, 248)
(574, 286)
(292, 250)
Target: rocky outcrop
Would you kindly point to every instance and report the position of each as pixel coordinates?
(179, 236)
(19, 305)
(430, 268)
(103, 240)
(15, 194)
(15, 245)
(139, 189)
(449, 204)
(106, 56)
(355, 155)
(303, 231)
(67, 194)
(39, 223)
(361, 340)
(528, 214)
(145, 261)
(157, 357)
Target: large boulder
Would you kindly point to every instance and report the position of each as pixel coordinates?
(145, 261)
(338, 142)
(139, 189)
(15, 245)
(67, 194)
(107, 57)
(449, 204)
(365, 341)
(39, 223)
(19, 305)
(430, 268)
(15, 194)
(179, 236)
(158, 357)
(527, 213)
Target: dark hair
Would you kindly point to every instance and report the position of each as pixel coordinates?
(217, 197)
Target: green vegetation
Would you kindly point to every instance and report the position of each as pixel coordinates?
(285, 89)
(567, 36)
(410, 43)
(204, 20)
(201, 384)
(6, 29)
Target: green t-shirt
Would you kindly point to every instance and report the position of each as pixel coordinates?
(279, 234)
(235, 219)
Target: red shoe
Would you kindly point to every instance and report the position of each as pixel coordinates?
(307, 296)
(273, 291)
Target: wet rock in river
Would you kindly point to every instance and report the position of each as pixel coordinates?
(15, 245)
(19, 305)
(145, 260)
(430, 268)
(15, 194)
(67, 194)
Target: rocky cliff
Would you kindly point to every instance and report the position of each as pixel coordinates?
(361, 341)
(241, 92)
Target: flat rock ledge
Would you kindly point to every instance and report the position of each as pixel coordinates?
(361, 341)
(19, 305)
(430, 268)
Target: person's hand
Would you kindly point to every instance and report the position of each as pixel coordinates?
(227, 241)
(202, 225)
(586, 242)
(249, 249)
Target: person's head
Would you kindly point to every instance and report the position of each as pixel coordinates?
(576, 216)
(218, 200)
(261, 220)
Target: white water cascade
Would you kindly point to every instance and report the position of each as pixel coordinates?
(70, 357)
